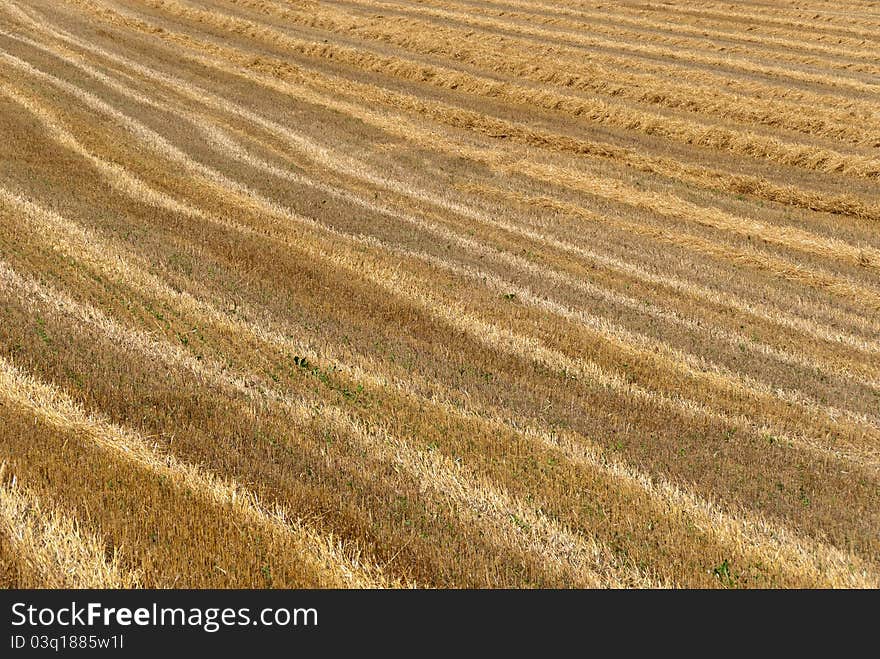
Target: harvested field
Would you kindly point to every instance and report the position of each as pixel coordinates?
(440, 293)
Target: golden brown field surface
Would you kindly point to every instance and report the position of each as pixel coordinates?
(439, 293)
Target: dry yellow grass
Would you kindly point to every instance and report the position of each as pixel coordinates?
(366, 293)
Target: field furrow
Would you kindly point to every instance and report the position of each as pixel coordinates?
(456, 293)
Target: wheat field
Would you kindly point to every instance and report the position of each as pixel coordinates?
(439, 293)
